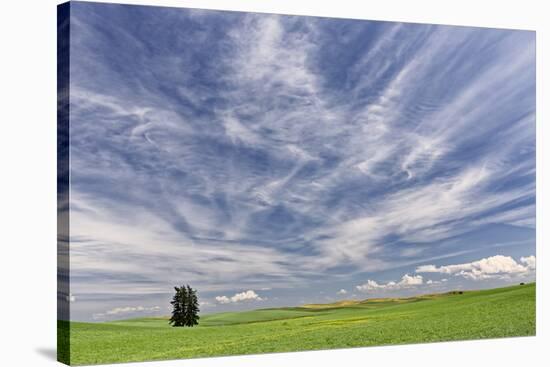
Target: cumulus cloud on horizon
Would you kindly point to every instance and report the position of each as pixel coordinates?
(407, 281)
(498, 266)
(493, 267)
(126, 310)
(249, 295)
(434, 282)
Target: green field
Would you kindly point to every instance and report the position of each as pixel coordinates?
(494, 313)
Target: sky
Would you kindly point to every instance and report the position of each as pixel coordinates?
(272, 160)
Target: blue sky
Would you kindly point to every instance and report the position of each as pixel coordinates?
(279, 160)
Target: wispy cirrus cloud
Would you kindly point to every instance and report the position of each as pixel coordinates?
(247, 151)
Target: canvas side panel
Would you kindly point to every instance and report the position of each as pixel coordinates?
(63, 171)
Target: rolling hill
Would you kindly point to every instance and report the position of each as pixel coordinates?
(494, 313)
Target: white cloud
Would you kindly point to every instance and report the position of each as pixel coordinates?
(342, 291)
(249, 295)
(498, 266)
(223, 299)
(407, 281)
(245, 296)
(125, 310)
(434, 282)
(119, 310)
(427, 269)
(529, 261)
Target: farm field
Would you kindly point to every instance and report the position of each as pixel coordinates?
(494, 313)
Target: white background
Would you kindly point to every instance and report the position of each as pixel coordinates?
(28, 182)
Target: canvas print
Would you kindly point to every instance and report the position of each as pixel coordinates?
(239, 183)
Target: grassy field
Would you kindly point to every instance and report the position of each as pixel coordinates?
(494, 313)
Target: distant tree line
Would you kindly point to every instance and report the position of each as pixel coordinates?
(185, 307)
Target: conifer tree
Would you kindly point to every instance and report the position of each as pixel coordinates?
(185, 307)
(179, 310)
(191, 308)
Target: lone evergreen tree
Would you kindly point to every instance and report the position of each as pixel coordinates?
(191, 308)
(185, 307)
(179, 306)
